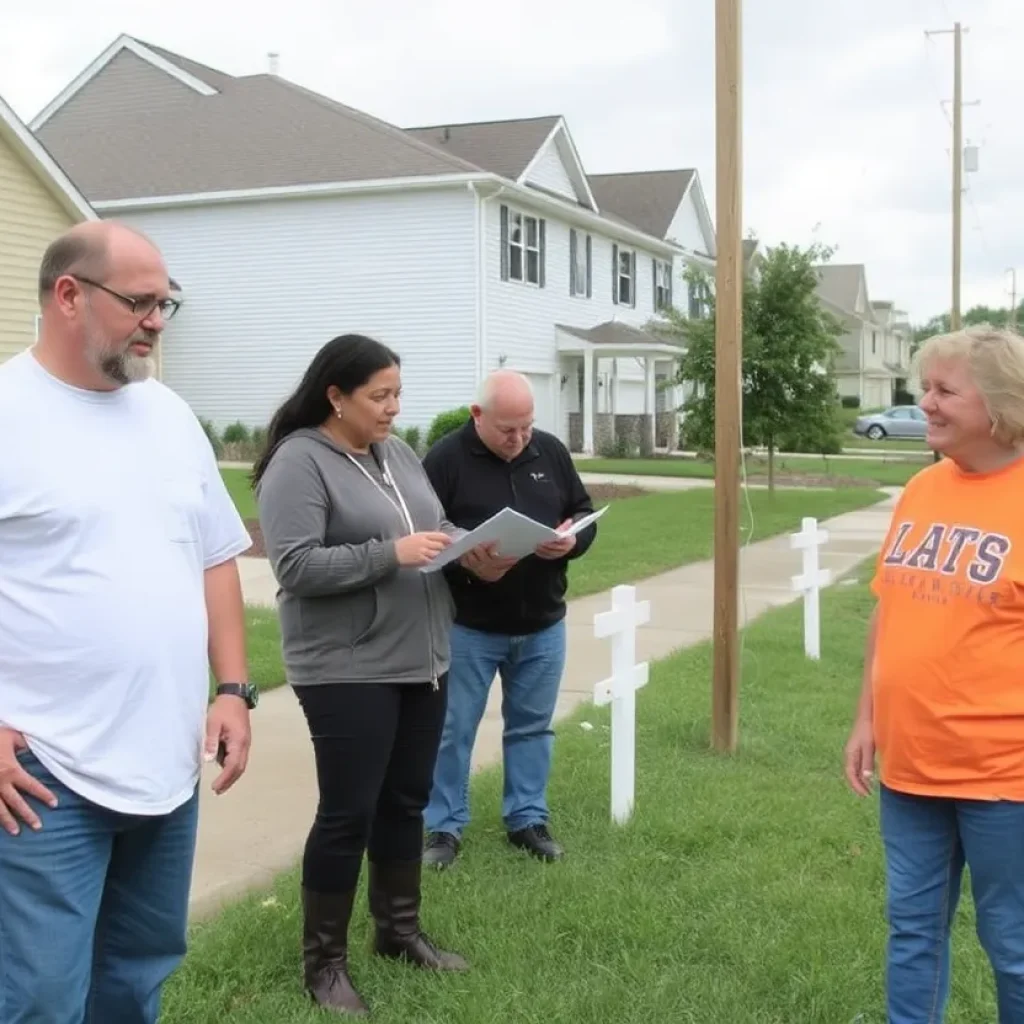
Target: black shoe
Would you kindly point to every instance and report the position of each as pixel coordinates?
(440, 850)
(538, 841)
(394, 893)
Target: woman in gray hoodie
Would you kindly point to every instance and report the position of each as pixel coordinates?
(349, 518)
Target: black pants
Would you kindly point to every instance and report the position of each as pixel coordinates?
(375, 747)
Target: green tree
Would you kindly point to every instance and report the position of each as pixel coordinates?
(996, 316)
(789, 350)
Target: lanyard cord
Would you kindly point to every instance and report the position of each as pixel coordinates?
(401, 508)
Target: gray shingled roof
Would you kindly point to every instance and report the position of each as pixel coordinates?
(839, 284)
(134, 131)
(502, 147)
(647, 199)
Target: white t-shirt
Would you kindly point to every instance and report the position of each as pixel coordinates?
(111, 508)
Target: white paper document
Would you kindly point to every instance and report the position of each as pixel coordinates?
(516, 536)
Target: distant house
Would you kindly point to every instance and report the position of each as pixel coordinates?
(290, 218)
(875, 358)
(38, 202)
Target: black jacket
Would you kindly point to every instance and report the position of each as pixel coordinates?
(473, 484)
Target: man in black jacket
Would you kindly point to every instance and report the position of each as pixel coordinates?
(510, 615)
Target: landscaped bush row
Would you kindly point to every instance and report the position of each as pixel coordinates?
(240, 443)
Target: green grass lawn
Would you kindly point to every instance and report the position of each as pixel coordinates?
(637, 537)
(818, 471)
(748, 889)
(237, 483)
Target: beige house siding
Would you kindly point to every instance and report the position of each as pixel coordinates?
(30, 218)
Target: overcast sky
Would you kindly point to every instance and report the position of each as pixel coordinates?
(845, 138)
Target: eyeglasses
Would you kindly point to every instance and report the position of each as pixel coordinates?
(141, 305)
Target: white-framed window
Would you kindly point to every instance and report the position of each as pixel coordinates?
(580, 264)
(662, 284)
(623, 276)
(522, 247)
(699, 304)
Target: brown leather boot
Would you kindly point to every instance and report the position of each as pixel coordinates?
(395, 906)
(325, 952)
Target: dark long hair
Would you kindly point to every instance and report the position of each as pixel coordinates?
(347, 362)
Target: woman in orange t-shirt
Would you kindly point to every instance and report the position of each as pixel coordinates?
(943, 697)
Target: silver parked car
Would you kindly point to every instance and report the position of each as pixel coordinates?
(899, 421)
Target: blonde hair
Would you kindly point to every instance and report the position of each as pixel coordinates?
(995, 360)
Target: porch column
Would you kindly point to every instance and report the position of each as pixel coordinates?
(588, 401)
(649, 402)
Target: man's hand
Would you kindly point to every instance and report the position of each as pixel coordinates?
(485, 563)
(553, 549)
(227, 723)
(15, 781)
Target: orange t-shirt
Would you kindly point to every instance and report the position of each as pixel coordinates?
(948, 674)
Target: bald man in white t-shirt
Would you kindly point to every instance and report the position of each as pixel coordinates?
(119, 590)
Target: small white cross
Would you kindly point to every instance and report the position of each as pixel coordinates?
(620, 690)
(811, 580)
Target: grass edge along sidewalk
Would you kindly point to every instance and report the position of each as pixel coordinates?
(638, 538)
(747, 888)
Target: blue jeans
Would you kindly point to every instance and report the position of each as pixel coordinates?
(927, 842)
(93, 910)
(531, 672)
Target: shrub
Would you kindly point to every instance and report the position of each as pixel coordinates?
(237, 433)
(851, 401)
(211, 433)
(445, 423)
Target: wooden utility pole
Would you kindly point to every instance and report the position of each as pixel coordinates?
(1013, 297)
(958, 171)
(958, 165)
(728, 363)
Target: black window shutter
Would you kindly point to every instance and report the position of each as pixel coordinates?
(671, 268)
(654, 283)
(572, 261)
(504, 243)
(615, 274)
(590, 260)
(541, 251)
(632, 278)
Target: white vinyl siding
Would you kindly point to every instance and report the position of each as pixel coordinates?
(266, 284)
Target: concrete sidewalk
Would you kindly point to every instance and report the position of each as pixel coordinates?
(258, 829)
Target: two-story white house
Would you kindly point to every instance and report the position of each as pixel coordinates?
(874, 362)
(289, 218)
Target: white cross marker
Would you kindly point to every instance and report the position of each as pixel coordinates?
(810, 581)
(620, 690)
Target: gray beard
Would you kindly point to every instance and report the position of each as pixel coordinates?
(127, 368)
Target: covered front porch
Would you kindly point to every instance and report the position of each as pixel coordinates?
(618, 387)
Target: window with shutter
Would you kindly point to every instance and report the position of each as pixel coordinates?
(579, 264)
(624, 271)
(522, 247)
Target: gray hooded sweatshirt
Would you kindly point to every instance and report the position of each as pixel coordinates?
(330, 518)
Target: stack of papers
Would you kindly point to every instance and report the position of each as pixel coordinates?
(516, 536)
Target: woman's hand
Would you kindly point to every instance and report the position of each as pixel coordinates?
(420, 549)
(860, 757)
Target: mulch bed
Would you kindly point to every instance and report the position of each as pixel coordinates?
(598, 493)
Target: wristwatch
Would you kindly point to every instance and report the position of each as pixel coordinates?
(249, 692)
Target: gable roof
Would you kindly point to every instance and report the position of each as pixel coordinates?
(504, 147)
(141, 131)
(839, 284)
(143, 127)
(16, 134)
(648, 199)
